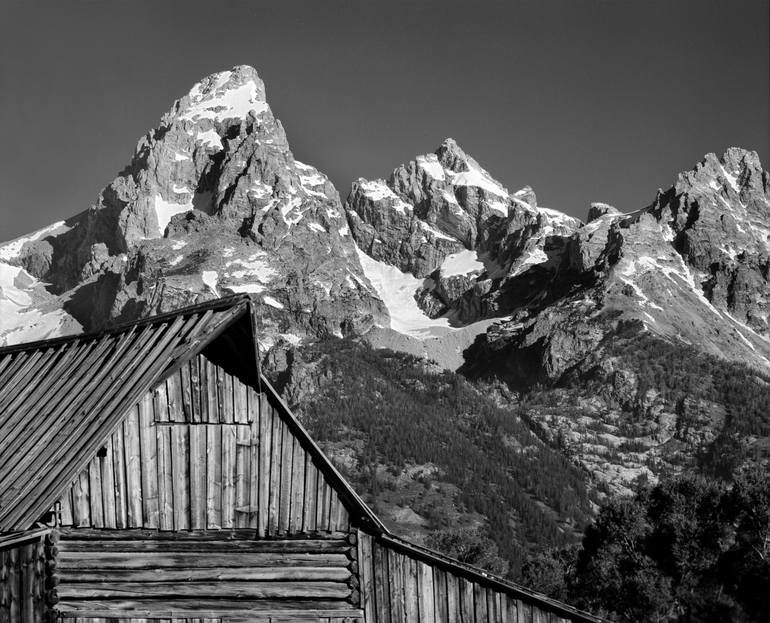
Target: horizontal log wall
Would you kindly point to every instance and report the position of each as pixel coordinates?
(157, 473)
(124, 573)
(398, 588)
(22, 583)
(294, 618)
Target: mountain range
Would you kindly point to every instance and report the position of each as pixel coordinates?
(627, 346)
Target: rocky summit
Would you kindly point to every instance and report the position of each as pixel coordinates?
(212, 203)
(439, 260)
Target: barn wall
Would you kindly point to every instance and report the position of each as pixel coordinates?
(214, 574)
(168, 467)
(398, 588)
(22, 582)
(251, 618)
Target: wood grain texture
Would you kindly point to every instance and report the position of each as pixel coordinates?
(163, 469)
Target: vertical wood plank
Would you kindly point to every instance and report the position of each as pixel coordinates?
(480, 602)
(254, 461)
(340, 519)
(381, 578)
(297, 487)
(225, 388)
(453, 598)
(365, 574)
(439, 595)
(187, 393)
(410, 589)
(65, 508)
(27, 583)
(264, 477)
(275, 472)
(82, 506)
(255, 403)
(133, 468)
(322, 506)
(492, 612)
(213, 475)
(243, 459)
(425, 590)
(212, 394)
(180, 469)
(4, 588)
(512, 610)
(467, 607)
(160, 403)
(287, 452)
(95, 488)
(168, 401)
(165, 476)
(525, 612)
(240, 412)
(198, 387)
(308, 502)
(108, 486)
(149, 462)
(327, 507)
(397, 597)
(13, 585)
(197, 477)
(228, 474)
(333, 510)
(121, 486)
(40, 575)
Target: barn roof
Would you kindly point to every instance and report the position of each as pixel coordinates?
(61, 398)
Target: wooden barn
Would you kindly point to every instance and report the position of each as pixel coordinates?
(150, 472)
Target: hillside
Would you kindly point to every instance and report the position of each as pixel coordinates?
(435, 454)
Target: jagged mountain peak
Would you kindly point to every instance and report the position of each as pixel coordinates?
(226, 94)
(213, 202)
(735, 170)
(452, 156)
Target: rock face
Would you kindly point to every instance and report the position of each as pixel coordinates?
(213, 202)
(443, 220)
(690, 269)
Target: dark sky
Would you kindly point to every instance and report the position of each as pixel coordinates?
(583, 100)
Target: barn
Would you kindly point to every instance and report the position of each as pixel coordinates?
(150, 472)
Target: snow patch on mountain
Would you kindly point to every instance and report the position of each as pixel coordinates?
(432, 166)
(461, 263)
(209, 138)
(164, 210)
(479, 178)
(12, 248)
(214, 98)
(397, 289)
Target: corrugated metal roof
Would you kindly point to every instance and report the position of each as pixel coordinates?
(60, 399)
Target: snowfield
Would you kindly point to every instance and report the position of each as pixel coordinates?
(397, 289)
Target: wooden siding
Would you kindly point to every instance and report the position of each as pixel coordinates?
(251, 618)
(201, 392)
(156, 472)
(22, 583)
(60, 399)
(218, 574)
(399, 588)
